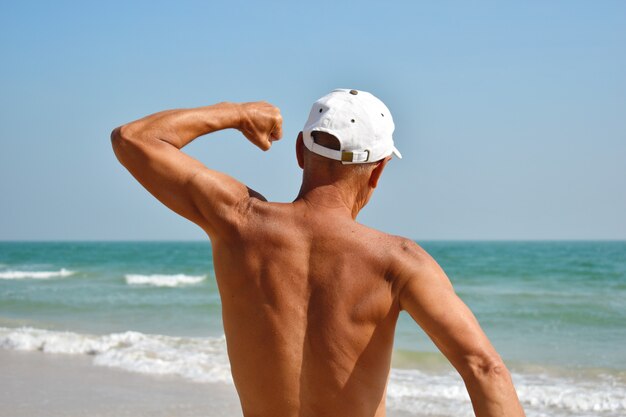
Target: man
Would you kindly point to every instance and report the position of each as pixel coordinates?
(310, 297)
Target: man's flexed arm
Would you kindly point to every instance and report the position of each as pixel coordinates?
(150, 149)
(427, 295)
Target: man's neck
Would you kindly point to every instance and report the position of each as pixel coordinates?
(340, 199)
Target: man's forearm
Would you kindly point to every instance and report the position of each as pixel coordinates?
(181, 126)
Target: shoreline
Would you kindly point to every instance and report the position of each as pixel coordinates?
(55, 385)
(36, 382)
(61, 385)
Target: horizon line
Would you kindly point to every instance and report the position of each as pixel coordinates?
(486, 240)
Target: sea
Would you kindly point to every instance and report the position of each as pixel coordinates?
(555, 311)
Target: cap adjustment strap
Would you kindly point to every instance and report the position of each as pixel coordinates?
(355, 156)
(343, 156)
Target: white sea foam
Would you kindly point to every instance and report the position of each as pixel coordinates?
(177, 280)
(410, 390)
(541, 395)
(197, 359)
(62, 273)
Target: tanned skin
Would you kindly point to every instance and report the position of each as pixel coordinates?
(310, 298)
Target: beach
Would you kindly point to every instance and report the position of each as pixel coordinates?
(56, 385)
(134, 328)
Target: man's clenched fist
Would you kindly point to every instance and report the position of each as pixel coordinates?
(261, 123)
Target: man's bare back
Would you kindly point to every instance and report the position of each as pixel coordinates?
(309, 310)
(310, 297)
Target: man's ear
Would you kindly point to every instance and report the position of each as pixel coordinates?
(300, 150)
(378, 171)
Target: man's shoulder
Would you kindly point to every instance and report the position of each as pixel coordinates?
(408, 258)
(401, 251)
(400, 245)
(410, 250)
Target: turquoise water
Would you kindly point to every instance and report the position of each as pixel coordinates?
(539, 302)
(97, 298)
(550, 308)
(560, 303)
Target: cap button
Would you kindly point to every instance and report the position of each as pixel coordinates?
(354, 92)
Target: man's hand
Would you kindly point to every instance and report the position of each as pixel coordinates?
(261, 123)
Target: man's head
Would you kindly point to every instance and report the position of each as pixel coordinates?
(362, 124)
(348, 136)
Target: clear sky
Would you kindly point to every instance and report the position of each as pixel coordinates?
(511, 116)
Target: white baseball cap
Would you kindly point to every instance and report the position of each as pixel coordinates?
(361, 122)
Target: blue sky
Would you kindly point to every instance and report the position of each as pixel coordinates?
(511, 116)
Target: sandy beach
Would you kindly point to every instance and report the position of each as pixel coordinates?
(37, 384)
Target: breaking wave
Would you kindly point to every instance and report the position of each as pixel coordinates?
(410, 390)
(177, 280)
(62, 273)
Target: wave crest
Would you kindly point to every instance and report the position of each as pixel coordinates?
(62, 273)
(541, 395)
(177, 280)
(197, 359)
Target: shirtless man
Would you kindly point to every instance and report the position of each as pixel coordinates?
(310, 298)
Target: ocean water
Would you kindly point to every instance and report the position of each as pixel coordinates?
(556, 312)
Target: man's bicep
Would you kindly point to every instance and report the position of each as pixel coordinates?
(428, 296)
(183, 183)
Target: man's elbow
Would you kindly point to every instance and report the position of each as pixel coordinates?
(120, 135)
(116, 136)
(485, 367)
(124, 144)
(117, 142)
(123, 140)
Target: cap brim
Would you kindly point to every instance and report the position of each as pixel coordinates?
(397, 153)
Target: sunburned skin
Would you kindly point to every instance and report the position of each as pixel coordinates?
(310, 297)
